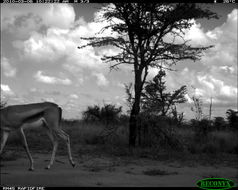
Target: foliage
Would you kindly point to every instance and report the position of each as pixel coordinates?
(130, 98)
(138, 30)
(157, 131)
(106, 114)
(85, 139)
(220, 123)
(92, 113)
(197, 109)
(201, 128)
(3, 104)
(177, 117)
(156, 100)
(124, 119)
(232, 117)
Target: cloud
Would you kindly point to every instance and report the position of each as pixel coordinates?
(59, 15)
(6, 90)
(216, 74)
(74, 96)
(26, 18)
(40, 77)
(44, 48)
(23, 25)
(188, 98)
(197, 35)
(57, 44)
(227, 69)
(225, 39)
(49, 34)
(219, 77)
(101, 79)
(224, 89)
(120, 84)
(8, 70)
(60, 46)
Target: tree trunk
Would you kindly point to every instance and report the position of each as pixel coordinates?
(133, 124)
(139, 131)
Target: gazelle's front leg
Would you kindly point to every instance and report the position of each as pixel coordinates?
(4, 137)
(23, 138)
(55, 146)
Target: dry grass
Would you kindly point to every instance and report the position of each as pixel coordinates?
(92, 139)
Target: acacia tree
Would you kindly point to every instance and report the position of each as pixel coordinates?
(149, 34)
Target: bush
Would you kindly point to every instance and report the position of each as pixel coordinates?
(219, 123)
(107, 114)
(215, 142)
(3, 104)
(232, 117)
(157, 131)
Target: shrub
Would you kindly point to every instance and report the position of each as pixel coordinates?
(219, 123)
(232, 117)
(107, 114)
(3, 104)
(157, 130)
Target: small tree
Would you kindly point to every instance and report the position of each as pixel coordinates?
(197, 108)
(155, 99)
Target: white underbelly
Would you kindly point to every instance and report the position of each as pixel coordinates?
(35, 124)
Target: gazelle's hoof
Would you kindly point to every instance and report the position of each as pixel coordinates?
(47, 167)
(73, 164)
(31, 169)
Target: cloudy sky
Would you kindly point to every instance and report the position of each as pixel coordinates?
(40, 60)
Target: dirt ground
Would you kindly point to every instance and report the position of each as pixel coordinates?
(103, 171)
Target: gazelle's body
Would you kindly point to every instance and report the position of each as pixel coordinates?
(19, 117)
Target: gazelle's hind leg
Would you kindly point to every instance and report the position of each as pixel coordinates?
(23, 138)
(65, 137)
(4, 136)
(55, 146)
(53, 124)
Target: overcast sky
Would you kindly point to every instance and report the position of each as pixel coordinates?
(40, 60)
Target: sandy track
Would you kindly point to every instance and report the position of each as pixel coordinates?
(106, 172)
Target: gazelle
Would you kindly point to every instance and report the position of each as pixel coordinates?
(46, 114)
